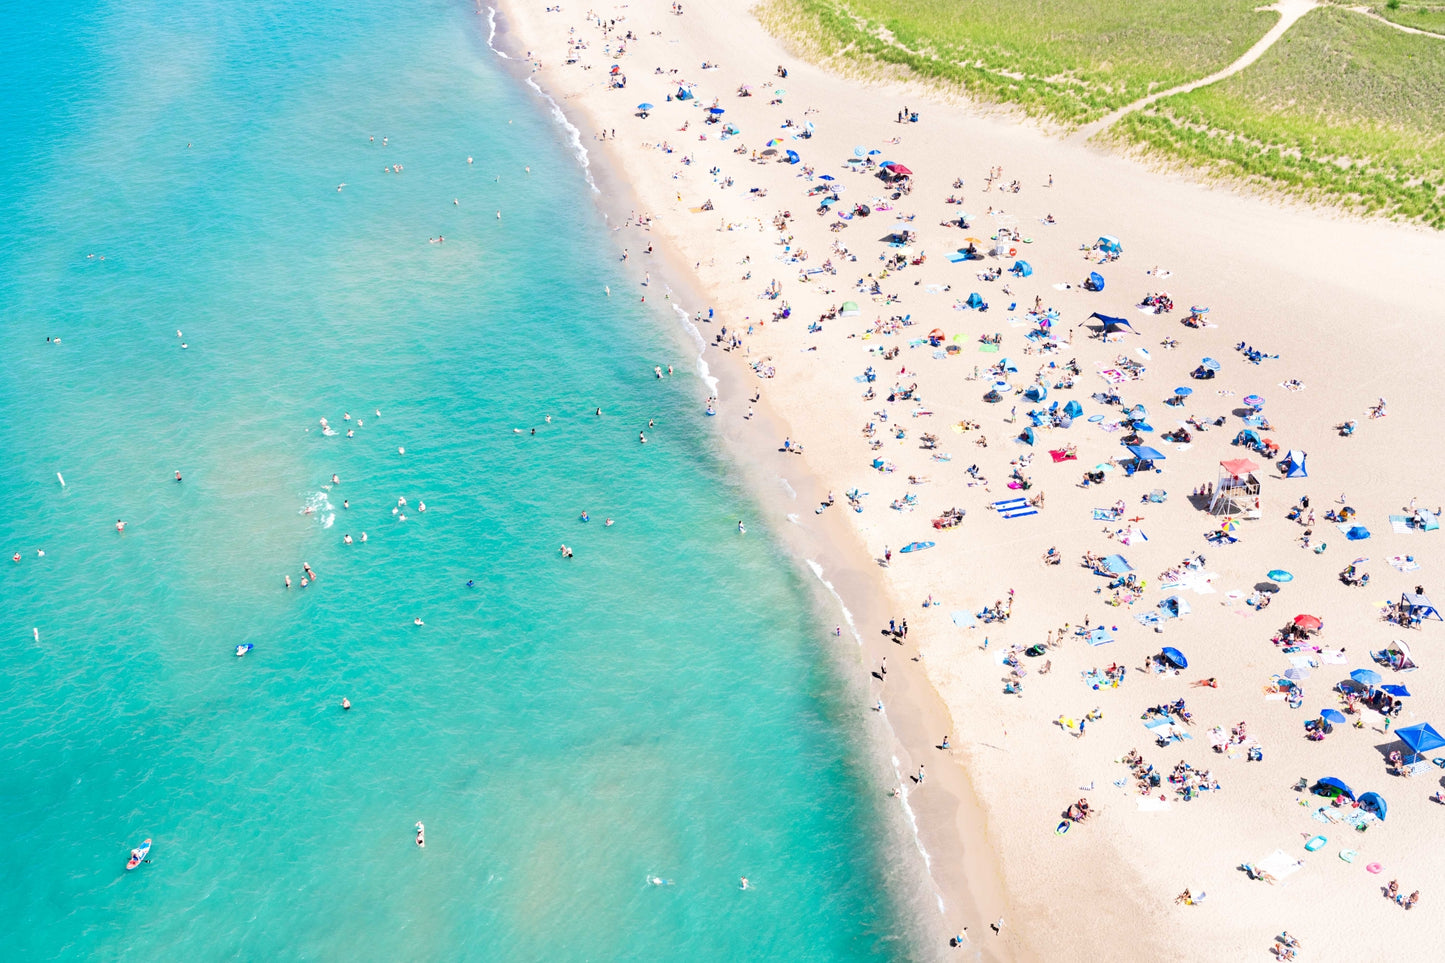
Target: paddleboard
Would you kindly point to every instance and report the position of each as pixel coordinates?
(1061, 828)
(1315, 843)
(140, 853)
(916, 546)
(243, 649)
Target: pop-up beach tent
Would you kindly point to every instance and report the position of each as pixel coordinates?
(850, 309)
(1331, 786)
(1373, 802)
(1073, 409)
(1174, 607)
(1419, 607)
(975, 300)
(1022, 268)
(1293, 464)
(1036, 393)
(1109, 244)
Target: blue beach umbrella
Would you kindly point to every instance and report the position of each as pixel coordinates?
(1334, 716)
(1210, 363)
(793, 157)
(1175, 656)
(860, 152)
(1366, 676)
(644, 106)
(1398, 691)
(716, 111)
(826, 177)
(1183, 392)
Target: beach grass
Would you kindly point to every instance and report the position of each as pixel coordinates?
(1342, 109)
(1069, 61)
(1422, 16)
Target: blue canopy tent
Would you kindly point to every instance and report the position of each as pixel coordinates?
(1293, 464)
(1036, 393)
(1421, 738)
(1109, 244)
(1373, 802)
(1175, 656)
(1094, 282)
(684, 94)
(1330, 786)
(1419, 607)
(975, 300)
(1022, 268)
(1144, 456)
(1174, 607)
(1116, 565)
(1073, 409)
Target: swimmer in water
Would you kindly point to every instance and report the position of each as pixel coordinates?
(642, 438)
(335, 480)
(471, 583)
(421, 506)
(345, 703)
(304, 583)
(363, 536)
(585, 517)
(178, 476)
(119, 525)
(288, 581)
(417, 621)
(599, 412)
(346, 539)
(346, 503)
(549, 419)
(741, 529)
(608, 523)
(566, 552)
(743, 883)
(421, 835)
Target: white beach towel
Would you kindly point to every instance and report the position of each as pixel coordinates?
(1280, 864)
(1149, 804)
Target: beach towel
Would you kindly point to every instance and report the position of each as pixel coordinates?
(1061, 454)
(1404, 563)
(1156, 722)
(1400, 524)
(1335, 658)
(1148, 618)
(1103, 515)
(988, 348)
(1019, 512)
(1151, 805)
(1303, 662)
(1275, 697)
(1007, 504)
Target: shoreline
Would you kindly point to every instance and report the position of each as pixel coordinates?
(1297, 278)
(956, 870)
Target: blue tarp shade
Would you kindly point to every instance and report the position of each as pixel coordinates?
(1022, 268)
(1330, 782)
(1398, 691)
(1420, 607)
(1175, 656)
(1144, 453)
(1421, 738)
(1293, 464)
(1358, 533)
(1073, 409)
(1373, 802)
(1116, 565)
(1112, 324)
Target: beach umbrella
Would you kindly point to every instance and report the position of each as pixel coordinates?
(1096, 280)
(1280, 575)
(1198, 309)
(1308, 622)
(716, 111)
(860, 152)
(1182, 392)
(1210, 363)
(1398, 691)
(1330, 782)
(1366, 676)
(1297, 674)
(1228, 525)
(1175, 656)
(793, 157)
(1334, 716)
(899, 169)
(1254, 401)
(1373, 802)
(776, 141)
(644, 106)
(1421, 738)
(826, 177)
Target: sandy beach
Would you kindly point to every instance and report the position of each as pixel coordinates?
(1341, 314)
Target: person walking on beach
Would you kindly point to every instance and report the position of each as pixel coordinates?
(887, 555)
(920, 775)
(883, 667)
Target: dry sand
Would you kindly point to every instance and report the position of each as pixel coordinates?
(1353, 309)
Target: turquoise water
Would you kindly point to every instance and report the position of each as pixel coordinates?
(661, 704)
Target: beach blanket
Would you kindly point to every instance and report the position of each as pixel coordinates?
(1335, 658)
(963, 619)
(1400, 524)
(1024, 512)
(1303, 662)
(1149, 804)
(1404, 563)
(1103, 515)
(1061, 454)
(1280, 864)
(1148, 617)
(1113, 375)
(988, 348)
(1157, 722)
(1009, 504)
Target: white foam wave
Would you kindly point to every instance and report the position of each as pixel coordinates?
(319, 506)
(794, 519)
(847, 615)
(788, 488)
(574, 136)
(703, 371)
(492, 32)
(903, 793)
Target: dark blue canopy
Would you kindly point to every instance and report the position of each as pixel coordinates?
(1330, 782)
(1421, 738)
(1112, 322)
(1144, 453)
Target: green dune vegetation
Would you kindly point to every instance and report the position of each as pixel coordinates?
(1070, 61)
(1342, 109)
